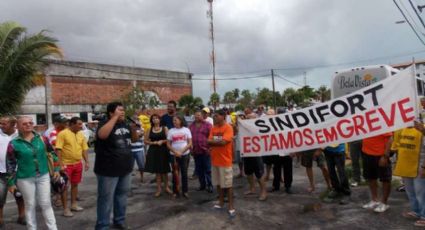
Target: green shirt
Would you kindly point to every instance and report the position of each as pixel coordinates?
(27, 159)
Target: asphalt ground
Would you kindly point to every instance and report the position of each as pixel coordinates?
(301, 210)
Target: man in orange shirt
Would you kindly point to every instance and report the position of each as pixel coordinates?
(220, 141)
(376, 164)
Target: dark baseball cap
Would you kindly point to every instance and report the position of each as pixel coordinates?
(60, 119)
(221, 112)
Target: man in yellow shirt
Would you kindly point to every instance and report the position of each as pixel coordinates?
(144, 118)
(71, 148)
(411, 167)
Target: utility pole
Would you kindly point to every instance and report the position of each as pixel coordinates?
(212, 56)
(305, 78)
(274, 94)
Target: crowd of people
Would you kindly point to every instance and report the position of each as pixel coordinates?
(38, 169)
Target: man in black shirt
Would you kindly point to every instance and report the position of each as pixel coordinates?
(113, 165)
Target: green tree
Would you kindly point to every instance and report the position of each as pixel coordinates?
(214, 100)
(323, 93)
(22, 56)
(247, 98)
(190, 102)
(264, 97)
(236, 93)
(136, 99)
(229, 98)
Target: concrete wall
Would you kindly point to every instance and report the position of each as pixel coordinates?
(73, 87)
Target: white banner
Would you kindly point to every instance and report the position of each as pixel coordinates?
(385, 106)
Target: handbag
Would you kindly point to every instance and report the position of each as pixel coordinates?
(51, 159)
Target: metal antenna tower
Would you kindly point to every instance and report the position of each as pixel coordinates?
(212, 55)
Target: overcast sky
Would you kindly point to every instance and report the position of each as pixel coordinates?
(252, 36)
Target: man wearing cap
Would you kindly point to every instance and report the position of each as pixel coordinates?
(220, 141)
(205, 114)
(59, 123)
(71, 148)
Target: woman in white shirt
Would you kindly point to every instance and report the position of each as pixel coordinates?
(179, 142)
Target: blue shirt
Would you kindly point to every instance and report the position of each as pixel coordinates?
(338, 149)
(167, 120)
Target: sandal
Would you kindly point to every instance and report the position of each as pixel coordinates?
(158, 194)
(168, 191)
(217, 207)
(420, 222)
(248, 193)
(262, 198)
(410, 215)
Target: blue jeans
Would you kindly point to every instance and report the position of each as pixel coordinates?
(415, 190)
(139, 157)
(336, 167)
(203, 169)
(181, 166)
(111, 191)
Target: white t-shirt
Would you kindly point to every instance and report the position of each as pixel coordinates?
(209, 120)
(4, 142)
(179, 138)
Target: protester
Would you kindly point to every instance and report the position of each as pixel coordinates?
(188, 117)
(355, 154)
(376, 164)
(307, 158)
(206, 115)
(28, 170)
(113, 165)
(8, 133)
(179, 143)
(144, 118)
(59, 124)
(200, 130)
(335, 159)
(254, 166)
(411, 167)
(138, 149)
(285, 163)
(267, 160)
(167, 119)
(237, 149)
(157, 158)
(71, 148)
(220, 141)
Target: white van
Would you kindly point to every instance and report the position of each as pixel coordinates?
(349, 80)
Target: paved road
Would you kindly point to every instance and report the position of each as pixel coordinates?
(281, 211)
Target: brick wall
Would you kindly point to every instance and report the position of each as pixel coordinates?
(73, 90)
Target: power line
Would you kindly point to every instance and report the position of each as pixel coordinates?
(410, 24)
(234, 78)
(285, 79)
(417, 14)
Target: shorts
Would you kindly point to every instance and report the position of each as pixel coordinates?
(253, 165)
(307, 158)
(222, 176)
(74, 172)
(372, 170)
(269, 160)
(3, 189)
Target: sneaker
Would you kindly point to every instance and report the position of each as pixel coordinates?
(371, 205)
(21, 221)
(381, 207)
(354, 184)
(77, 209)
(121, 226)
(232, 213)
(333, 194)
(68, 213)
